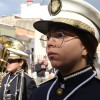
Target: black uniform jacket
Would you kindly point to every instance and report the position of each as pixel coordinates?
(28, 86)
(89, 91)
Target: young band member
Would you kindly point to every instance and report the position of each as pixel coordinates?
(71, 39)
(17, 85)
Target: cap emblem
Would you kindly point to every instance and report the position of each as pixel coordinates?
(54, 7)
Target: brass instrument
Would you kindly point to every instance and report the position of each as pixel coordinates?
(4, 53)
(7, 43)
(10, 44)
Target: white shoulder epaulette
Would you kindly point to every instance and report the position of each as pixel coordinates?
(4, 74)
(27, 74)
(47, 81)
(97, 77)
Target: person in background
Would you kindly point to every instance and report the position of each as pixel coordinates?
(45, 61)
(50, 72)
(40, 69)
(17, 83)
(71, 38)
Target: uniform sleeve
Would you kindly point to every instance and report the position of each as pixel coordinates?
(2, 89)
(30, 87)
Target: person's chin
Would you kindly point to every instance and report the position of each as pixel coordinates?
(9, 70)
(55, 64)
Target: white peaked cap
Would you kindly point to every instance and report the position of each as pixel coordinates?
(77, 13)
(17, 54)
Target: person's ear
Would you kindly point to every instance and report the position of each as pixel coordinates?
(84, 52)
(21, 62)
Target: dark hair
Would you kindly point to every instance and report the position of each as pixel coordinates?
(90, 43)
(25, 65)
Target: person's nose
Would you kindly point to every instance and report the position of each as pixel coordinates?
(51, 42)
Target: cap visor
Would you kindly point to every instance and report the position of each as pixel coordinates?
(18, 52)
(45, 26)
(42, 26)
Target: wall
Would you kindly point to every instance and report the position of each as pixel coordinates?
(7, 30)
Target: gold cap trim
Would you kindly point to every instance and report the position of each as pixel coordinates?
(75, 23)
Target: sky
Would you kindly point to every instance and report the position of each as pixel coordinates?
(9, 7)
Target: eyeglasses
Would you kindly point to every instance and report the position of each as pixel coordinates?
(58, 38)
(13, 60)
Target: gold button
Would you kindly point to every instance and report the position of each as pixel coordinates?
(59, 91)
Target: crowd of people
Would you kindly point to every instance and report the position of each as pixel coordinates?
(42, 70)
